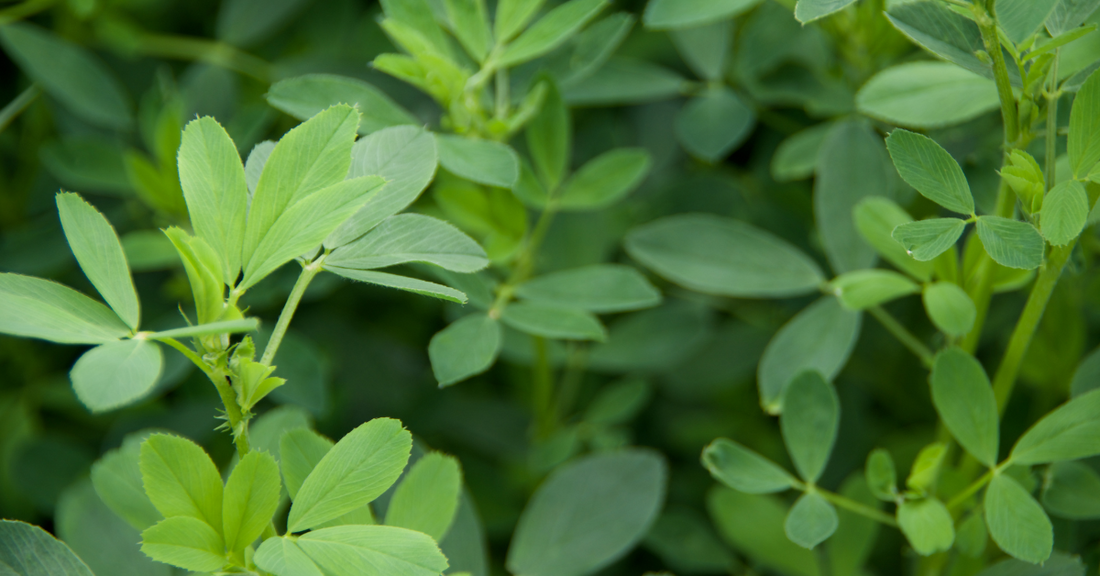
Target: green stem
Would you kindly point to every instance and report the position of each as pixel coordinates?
(209, 51)
(970, 490)
(987, 23)
(308, 272)
(18, 105)
(824, 566)
(857, 507)
(525, 262)
(502, 96)
(982, 293)
(903, 335)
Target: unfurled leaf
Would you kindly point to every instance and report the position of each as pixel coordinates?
(470, 24)
(466, 348)
(605, 179)
(927, 525)
(971, 537)
(924, 240)
(416, 286)
(27, 550)
(863, 289)
(550, 321)
(811, 520)
(796, 157)
(481, 161)
(181, 480)
(411, 238)
(810, 420)
(250, 499)
(713, 124)
(1072, 490)
(964, 400)
(186, 542)
(37, 308)
(882, 477)
(807, 11)
(1016, 521)
(744, 470)
(705, 48)
(926, 468)
(876, 218)
(1065, 209)
(116, 374)
(549, 137)
(624, 81)
(426, 500)
(600, 288)
(926, 166)
(551, 31)
(927, 95)
(671, 14)
(1011, 243)
(1023, 174)
(1070, 432)
(117, 480)
(950, 308)
(512, 16)
(205, 269)
(353, 550)
(300, 450)
(1084, 128)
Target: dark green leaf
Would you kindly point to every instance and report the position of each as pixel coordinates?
(27, 550)
(605, 179)
(549, 137)
(665, 14)
(303, 97)
(550, 321)
(600, 288)
(924, 240)
(705, 48)
(1070, 432)
(712, 125)
(810, 420)
(624, 81)
(927, 95)
(796, 157)
(466, 348)
(807, 11)
(1072, 490)
(964, 400)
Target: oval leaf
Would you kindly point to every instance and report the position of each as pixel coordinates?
(810, 420)
(926, 166)
(964, 400)
(412, 238)
(37, 308)
(114, 375)
(744, 470)
(1011, 243)
(1016, 521)
(466, 348)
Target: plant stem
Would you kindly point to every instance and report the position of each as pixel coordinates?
(18, 105)
(502, 97)
(209, 51)
(903, 335)
(821, 553)
(308, 272)
(857, 507)
(525, 262)
(987, 24)
(982, 293)
(1005, 378)
(237, 425)
(970, 490)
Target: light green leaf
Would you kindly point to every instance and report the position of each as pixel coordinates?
(754, 525)
(37, 308)
(470, 24)
(1070, 14)
(926, 467)
(361, 466)
(666, 14)
(466, 348)
(180, 479)
(481, 161)
(624, 81)
(744, 470)
(1065, 209)
(204, 272)
(117, 480)
(354, 551)
(551, 31)
(1016, 521)
(810, 420)
(866, 288)
(1070, 432)
(27, 550)
(811, 520)
(876, 218)
(254, 166)
(69, 73)
(926, 166)
(927, 95)
(305, 225)
(599, 288)
(798, 346)
(283, 557)
(964, 400)
(924, 240)
(550, 321)
(300, 450)
(419, 16)
(807, 11)
(712, 125)
(796, 157)
(1011, 243)
(406, 157)
(588, 514)
(723, 257)
(223, 327)
(426, 500)
(186, 542)
(705, 48)
(950, 308)
(1084, 128)
(250, 499)
(314, 155)
(114, 375)
(512, 16)
(1072, 490)
(99, 252)
(148, 250)
(411, 238)
(882, 477)
(605, 179)
(549, 137)
(214, 186)
(1022, 18)
(927, 525)
(303, 97)
(416, 286)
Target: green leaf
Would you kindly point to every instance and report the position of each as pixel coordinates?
(37, 308)
(303, 97)
(588, 514)
(876, 218)
(926, 467)
(245, 23)
(1065, 209)
(852, 165)
(811, 520)
(712, 125)
(882, 477)
(619, 403)
(426, 500)
(419, 16)
(254, 166)
(1016, 521)
(300, 450)
(798, 346)
(1022, 18)
(406, 157)
(361, 466)
(1070, 14)
(971, 537)
(204, 272)
(851, 546)
(214, 186)
(927, 525)
(148, 250)
(796, 157)
(723, 257)
(314, 155)
(1072, 490)
(705, 48)
(551, 31)
(807, 11)
(1084, 128)
(305, 225)
(550, 136)
(466, 348)
(950, 308)
(926, 166)
(27, 550)
(422, 287)
(89, 163)
(1011, 243)
(866, 288)
(283, 557)
(470, 24)
(223, 327)
(599, 288)
(744, 470)
(69, 73)
(186, 542)
(550, 321)
(754, 525)
(512, 16)
(924, 240)
(605, 179)
(810, 420)
(106, 543)
(481, 161)
(1070, 432)
(927, 95)
(250, 499)
(666, 14)
(117, 480)
(411, 238)
(116, 374)
(99, 252)
(353, 551)
(964, 400)
(624, 81)
(180, 479)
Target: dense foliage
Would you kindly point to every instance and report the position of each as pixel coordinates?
(330, 288)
